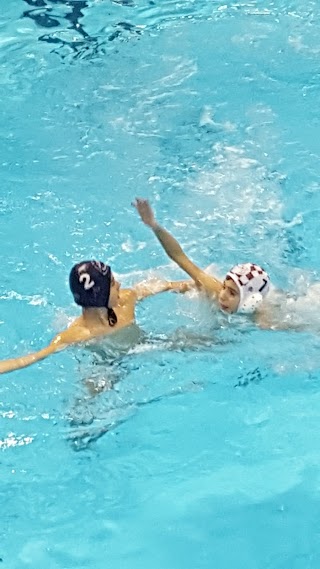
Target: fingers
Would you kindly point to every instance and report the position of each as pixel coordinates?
(139, 202)
(145, 211)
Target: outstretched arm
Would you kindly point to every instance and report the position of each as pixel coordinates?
(208, 283)
(25, 361)
(155, 286)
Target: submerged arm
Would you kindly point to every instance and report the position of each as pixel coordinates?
(268, 321)
(210, 284)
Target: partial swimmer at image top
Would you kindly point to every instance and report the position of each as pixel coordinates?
(106, 309)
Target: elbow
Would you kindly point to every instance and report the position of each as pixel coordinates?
(178, 256)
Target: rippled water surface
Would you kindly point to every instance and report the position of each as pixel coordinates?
(206, 451)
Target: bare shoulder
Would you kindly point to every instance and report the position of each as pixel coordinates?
(270, 315)
(74, 334)
(127, 296)
(284, 311)
(263, 319)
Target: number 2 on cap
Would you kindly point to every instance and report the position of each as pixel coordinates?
(87, 282)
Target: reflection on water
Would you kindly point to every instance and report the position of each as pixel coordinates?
(44, 17)
(68, 31)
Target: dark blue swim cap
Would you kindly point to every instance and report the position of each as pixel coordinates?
(90, 283)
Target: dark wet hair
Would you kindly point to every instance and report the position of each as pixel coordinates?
(90, 283)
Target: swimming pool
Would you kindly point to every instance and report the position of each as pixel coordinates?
(203, 455)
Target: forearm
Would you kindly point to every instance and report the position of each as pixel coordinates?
(156, 286)
(168, 242)
(182, 286)
(208, 283)
(24, 361)
(176, 253)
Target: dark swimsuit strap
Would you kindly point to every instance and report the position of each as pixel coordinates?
(112, 317)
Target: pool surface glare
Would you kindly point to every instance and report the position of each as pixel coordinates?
(206, 451)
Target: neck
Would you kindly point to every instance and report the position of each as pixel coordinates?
(95, 316)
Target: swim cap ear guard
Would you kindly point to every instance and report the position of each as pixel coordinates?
(251, 304)
(90, 283)
(253, 283)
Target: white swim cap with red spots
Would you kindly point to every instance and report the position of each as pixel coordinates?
(253, 283)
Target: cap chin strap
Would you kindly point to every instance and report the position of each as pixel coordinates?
(112, 317)
(251, 303)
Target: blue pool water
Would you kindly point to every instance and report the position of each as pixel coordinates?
(206, 453)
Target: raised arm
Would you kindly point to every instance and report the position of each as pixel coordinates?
(208, 283)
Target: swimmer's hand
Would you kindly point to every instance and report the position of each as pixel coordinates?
(182, 286)
(145, 211)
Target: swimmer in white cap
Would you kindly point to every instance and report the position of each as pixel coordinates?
(244, 287)
(106, 309)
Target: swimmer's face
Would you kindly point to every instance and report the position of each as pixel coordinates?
(229, 296)
(114, 292)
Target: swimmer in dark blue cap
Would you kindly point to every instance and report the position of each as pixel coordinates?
(93, 286)
(106, 308)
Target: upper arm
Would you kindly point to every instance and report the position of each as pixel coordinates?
(71, 335)
(209, 284)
